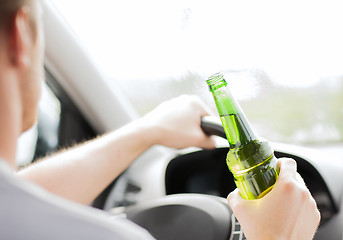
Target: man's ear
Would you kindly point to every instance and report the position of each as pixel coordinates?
(20, 39)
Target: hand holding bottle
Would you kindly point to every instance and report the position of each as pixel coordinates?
(288, 211)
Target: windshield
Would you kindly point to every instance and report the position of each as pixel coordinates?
(282, 60)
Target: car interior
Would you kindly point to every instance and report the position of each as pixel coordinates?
(174, 194)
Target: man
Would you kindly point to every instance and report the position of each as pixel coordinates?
(29, 212)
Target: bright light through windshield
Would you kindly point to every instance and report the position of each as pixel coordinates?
(276, 52)
(296, 42)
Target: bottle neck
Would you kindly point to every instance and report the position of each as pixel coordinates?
(236, 125)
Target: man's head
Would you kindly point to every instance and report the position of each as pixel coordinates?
(21, 54)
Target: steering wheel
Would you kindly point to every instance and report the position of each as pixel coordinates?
(185, 216)
(190, 211)
(188, 216)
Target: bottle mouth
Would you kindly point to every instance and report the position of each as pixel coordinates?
(216, 81)
(215, 78)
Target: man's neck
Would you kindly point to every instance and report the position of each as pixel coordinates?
(10, 116)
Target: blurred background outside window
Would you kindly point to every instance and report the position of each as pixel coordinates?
(282, 59)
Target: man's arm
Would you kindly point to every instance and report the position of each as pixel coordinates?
(81, 173)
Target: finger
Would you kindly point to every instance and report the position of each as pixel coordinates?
(288, 168)
(233, 198)
(208, 142)
(233, 195)
(300, 180)
(204, 110)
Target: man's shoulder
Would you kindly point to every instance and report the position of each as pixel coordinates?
(29, 212)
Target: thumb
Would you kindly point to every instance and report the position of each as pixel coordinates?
(288, 168)
(235, 199)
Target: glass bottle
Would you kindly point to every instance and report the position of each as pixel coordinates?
(250, 159)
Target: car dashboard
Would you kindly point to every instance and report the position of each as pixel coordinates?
(198, 171)
(206, 172)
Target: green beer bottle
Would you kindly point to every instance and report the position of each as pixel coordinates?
(251, 160)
